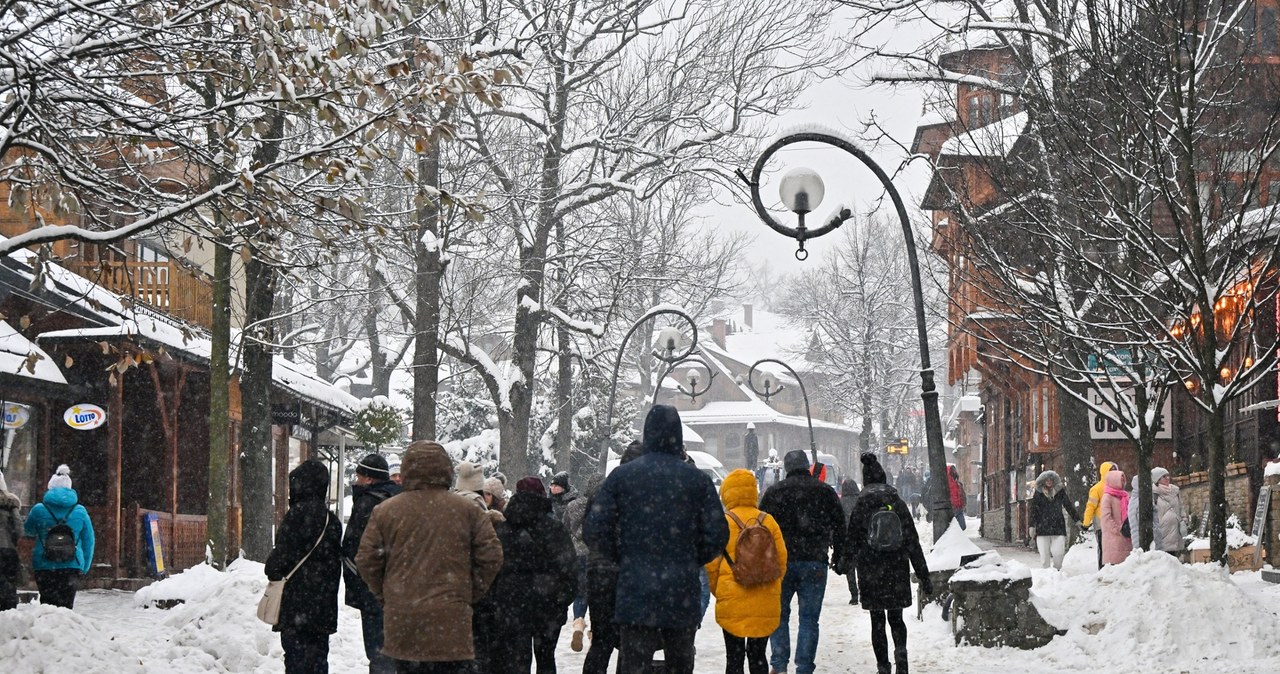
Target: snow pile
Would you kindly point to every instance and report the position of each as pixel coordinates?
(1273, 468)
(1152, 609)
(948, 550)
(195, 584)
(992, 567)
(38, 638)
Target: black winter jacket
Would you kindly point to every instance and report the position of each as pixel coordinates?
(884, 580)
(1046, 513)
(539, 576)
(363, 499)
(310, 602)
(809, 514)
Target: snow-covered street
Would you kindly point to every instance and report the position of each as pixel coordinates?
(1149, 614)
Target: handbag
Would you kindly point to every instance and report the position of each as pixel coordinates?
(273, 596)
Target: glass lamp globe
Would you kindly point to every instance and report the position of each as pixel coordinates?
(668, 338)
(801, 190)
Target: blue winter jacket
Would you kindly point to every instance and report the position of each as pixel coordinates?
(63, 504)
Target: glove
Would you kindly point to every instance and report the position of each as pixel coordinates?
(927, 586)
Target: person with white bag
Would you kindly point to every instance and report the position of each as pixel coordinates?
(307, 557)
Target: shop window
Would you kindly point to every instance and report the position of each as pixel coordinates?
(18, 455)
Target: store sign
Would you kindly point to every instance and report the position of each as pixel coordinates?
(85, 417)
(16, 416)
(1102, 427)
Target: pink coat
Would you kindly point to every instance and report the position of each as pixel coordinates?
(1115, 547)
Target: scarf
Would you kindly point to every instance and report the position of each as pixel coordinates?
(1123, 496)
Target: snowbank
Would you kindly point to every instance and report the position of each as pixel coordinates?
(991, 566)
(38, 638)
(1273, 468)
(1152, 609)
(948, 550)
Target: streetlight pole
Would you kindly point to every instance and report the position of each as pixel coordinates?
(691, 379)
(771, 390)
(802, 190)
(668, 338)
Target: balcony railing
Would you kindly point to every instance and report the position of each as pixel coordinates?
(165, 286)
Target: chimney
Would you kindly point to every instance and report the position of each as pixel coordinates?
(746, 316)
(719, 328)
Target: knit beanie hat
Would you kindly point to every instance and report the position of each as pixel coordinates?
(470, 477)
(393, 467)
(374, 466)
(794, 460)
(872, 471)
(530, 485)
(61, 477)
(494, 487)
(561, 480)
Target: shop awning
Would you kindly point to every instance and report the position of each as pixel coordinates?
(20, 356)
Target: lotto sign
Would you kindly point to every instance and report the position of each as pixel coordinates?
(85, 417)
(16, 416)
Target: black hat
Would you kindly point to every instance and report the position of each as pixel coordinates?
(795, 460)
(373, 465)
(561, 479)
(662, 431)
(872, 471)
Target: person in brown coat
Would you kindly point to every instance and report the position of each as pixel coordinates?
(428, 555)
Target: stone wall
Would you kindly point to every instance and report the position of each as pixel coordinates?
(993, 524)
(1195, 494)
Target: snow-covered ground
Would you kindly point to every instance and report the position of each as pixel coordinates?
(1149, 614)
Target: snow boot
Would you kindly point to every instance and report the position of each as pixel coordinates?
(900, 661)
(579, 627)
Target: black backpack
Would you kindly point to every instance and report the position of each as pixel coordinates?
(884, 530)
(60, 542)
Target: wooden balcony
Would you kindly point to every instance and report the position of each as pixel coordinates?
(165, 286)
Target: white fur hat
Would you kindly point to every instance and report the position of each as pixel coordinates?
(61, 477)
(470, 477)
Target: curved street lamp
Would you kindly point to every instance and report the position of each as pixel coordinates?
(772, 388)
(802, 191)
(692, 377)
(669, 339)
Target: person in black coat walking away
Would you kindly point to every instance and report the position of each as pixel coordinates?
(308, 545)
(537, 583)
(849, 492)
(909, 489)
(808, 511)
(602, 585)
(885, 555)
(660, 519)
(372, 486)
(1047, 526)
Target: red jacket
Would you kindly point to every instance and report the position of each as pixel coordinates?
(957, 492)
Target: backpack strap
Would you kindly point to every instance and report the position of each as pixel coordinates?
(736, 520)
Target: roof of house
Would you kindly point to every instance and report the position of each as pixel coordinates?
(20, 356)
(749, 411)
(995, 140)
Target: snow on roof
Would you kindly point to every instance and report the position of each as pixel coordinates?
(690, 435)
(20, 356)
(770, 335)
(993, 140)
(749, 411)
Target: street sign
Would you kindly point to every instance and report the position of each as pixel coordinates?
(1101, 427)
(899, 446)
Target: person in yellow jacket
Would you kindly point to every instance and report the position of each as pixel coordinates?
(1095, 499)
(747, 615)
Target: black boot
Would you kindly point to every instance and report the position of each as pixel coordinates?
(883, 668)
(900, 659)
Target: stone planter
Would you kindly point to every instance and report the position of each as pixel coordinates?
(992, 611)
(941, 593)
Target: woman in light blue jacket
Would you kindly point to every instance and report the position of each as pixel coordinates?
(57, 579)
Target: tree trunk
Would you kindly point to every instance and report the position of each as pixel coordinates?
(1146, 509)
(256, 476)
(219, 401)
(1217, 484)
(1077, 449)
(429, 272)
(564, 401)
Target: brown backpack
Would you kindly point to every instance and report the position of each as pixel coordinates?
(757, 562)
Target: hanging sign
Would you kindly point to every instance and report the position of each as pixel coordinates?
(16, 416)
(84, 417)
(154, 545)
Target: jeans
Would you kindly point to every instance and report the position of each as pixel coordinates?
(706, 595)
(580, 601)
(1052, 548)
(738, 649)
(960, 518)
(602, 586)
(371, 627)
(640, 643)
(58, 587)
(809, 581)
(305, 652)
(880, 644)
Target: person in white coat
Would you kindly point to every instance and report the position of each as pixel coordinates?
(1169, 515)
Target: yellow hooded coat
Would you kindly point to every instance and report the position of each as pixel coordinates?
(1095, 493)
(745, 612)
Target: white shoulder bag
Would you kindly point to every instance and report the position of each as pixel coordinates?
(269, 605)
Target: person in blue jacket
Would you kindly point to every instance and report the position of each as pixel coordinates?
(57, 581)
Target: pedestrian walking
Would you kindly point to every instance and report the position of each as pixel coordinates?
(574, 515)
(393, 467)
(751, 447)
(849, 492)
(882, 538)
(909, 489)
(602, 586)
(812, 522)
(535, 586)
(747, 611)
(428, 555)
(372, 486)
(10, 530)
(495, 493)
(64, 541)
(470, 483)
(1095, 500)
(1047, 525)
(958, 498)
(562, 494)
(1112, 513)
(485, 632)
(1170, 516)
(659, 518)
(308, 550)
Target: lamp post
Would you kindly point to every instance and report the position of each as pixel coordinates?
(772, 388)
(692, 377)
(669, 339)
(801, 191)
